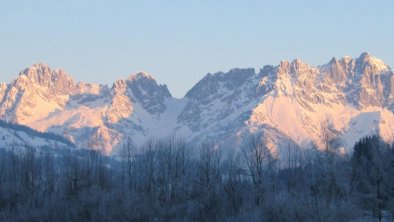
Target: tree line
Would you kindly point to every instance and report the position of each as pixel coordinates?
(166, 180)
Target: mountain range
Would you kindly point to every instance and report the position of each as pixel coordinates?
(292, 103)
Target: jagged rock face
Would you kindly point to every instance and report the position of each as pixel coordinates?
(362, 82)
(217, 96)
(365, 81)
(292, 100)
(87, 114)
(39, 91)
(369, 73)
(57, 81)
(31, 95)
(148, 93)
(121, 106)
(288, 102)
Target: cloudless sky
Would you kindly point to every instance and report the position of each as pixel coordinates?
(179, 41)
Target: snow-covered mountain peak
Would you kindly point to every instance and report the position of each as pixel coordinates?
(300, 69)
(141, 75)
(145, 89)
(220, 82)
(333, 61)
(40, 72)
(365, 57)
(346, 58)
(36, 69)
(367, 64)
(41, 76)
(288, 101)
(297, 62)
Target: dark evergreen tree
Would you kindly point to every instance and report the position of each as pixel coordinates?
(370, 175)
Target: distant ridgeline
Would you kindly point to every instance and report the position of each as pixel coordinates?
(34, 133)
(291, 104)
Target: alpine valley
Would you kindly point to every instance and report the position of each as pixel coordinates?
(292, 103)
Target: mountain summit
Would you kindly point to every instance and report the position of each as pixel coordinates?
(291, 103)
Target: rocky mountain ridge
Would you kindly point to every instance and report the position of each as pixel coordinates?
(289, 103)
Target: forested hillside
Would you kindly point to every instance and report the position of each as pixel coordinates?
(167, 182)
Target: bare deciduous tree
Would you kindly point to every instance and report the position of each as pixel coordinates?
(260, 163)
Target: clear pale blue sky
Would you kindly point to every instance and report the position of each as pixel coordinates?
(180, 41)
